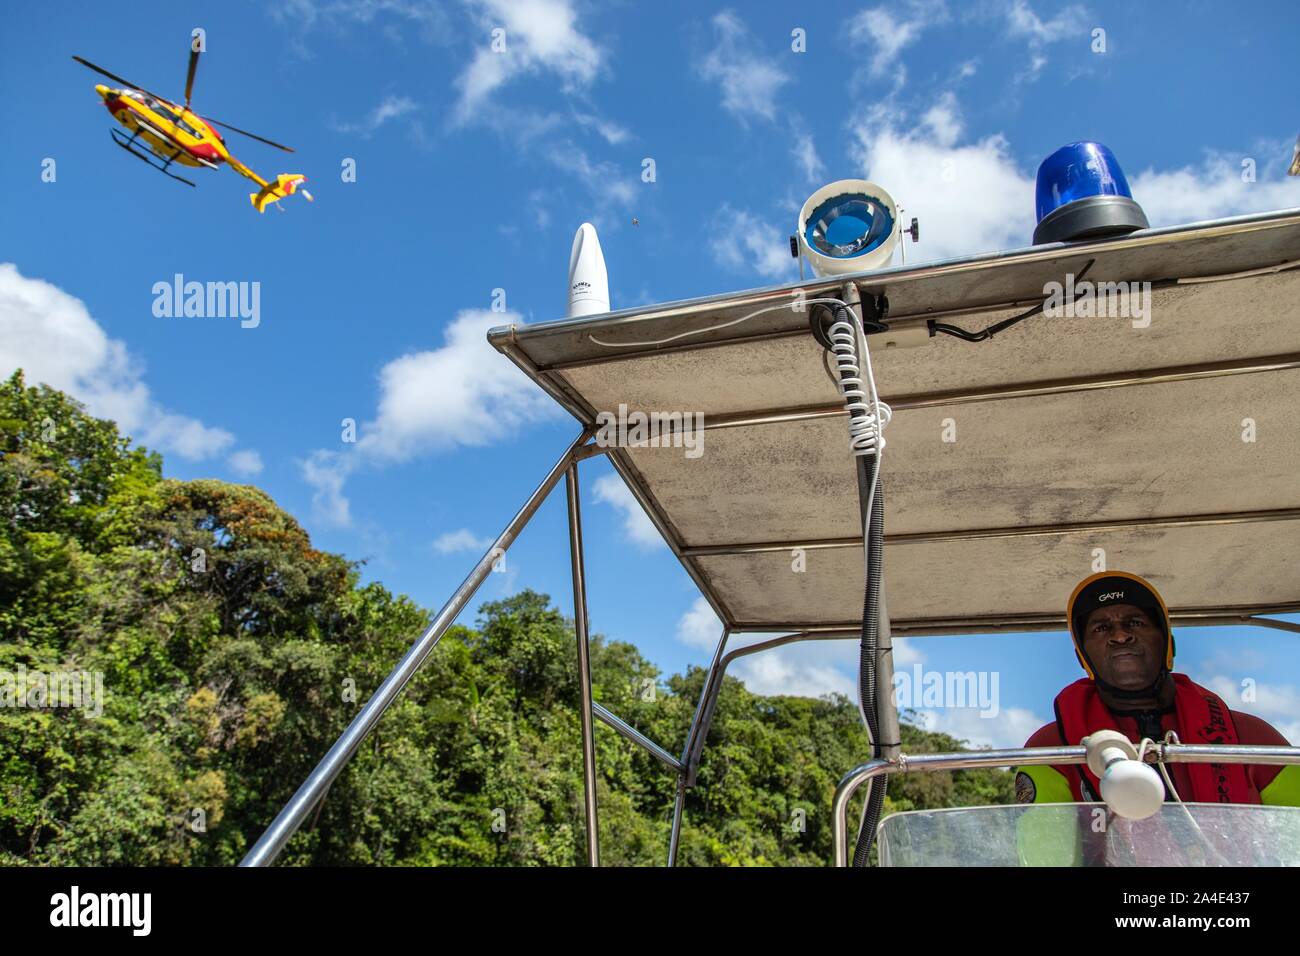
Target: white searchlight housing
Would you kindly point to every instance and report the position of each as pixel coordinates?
(1129, 787)
(850, 225)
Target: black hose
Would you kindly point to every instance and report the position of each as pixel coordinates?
(868, 686)
(872, 500)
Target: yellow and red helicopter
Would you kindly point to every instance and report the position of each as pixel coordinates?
(174, 134)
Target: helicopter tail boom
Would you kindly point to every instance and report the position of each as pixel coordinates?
(286, 184)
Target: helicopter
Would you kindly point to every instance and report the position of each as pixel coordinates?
(175, 135)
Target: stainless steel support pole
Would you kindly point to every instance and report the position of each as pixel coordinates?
(638, 738)
(584, 667)
(284, 826)
(886, 705)
(678, 805)
(703, 711)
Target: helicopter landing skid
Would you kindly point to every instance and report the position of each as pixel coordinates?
(128, 145)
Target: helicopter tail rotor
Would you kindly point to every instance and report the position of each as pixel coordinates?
(286, 184)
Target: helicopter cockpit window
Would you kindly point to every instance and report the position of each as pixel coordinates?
(167, 113)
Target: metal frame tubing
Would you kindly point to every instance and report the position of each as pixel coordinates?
(696, 736)
(1032, 756)
(1024, 531)
(886, 705)
(638, 738)
(1025, 623)
(584, 666)
(313, 789)
(675, 838)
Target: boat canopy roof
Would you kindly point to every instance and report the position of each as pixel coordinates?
(1166, 443)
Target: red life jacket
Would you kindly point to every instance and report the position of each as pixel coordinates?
(1202, 718)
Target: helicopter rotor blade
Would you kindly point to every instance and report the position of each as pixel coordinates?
(189, 76)
(244, 132)
(113, 76)
(189, 83)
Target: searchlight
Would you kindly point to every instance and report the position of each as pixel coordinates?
(848, 226)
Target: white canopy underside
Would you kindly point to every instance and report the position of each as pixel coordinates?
(1071, 434)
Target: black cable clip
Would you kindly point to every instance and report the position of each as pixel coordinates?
(875, 309)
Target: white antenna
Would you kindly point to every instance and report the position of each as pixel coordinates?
(588, 278)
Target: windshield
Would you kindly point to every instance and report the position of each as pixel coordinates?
(1087, 834)
(167, 113)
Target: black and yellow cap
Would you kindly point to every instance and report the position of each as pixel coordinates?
(1116, 587)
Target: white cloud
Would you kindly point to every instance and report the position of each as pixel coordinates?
(803, 669)
(943, 120)
(1036, 63)
(969, 198)
(53, 338)
(327, 472)
(699, 627)
(804, 149)
(749, 83)
(611, 132)
(460, 540)
(537, 206)
(246, 463)
(807, 669)
(397, 20)
(747, 243)
(1022, 21)
(887, 31)
(1010, 728)
(543, 37)
(305, 14)
(1279, 704)
(540, 35)
(389, 108)
(906, 652)
(506, 574)
(1212, 190)
(609, 186)
(463, 394)
(610, 490)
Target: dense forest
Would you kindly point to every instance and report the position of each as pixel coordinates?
(233, 653)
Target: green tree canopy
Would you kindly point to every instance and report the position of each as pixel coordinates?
(233, 653)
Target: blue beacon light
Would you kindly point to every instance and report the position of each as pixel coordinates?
(1082, 194)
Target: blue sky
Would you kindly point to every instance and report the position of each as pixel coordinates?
(474, 168)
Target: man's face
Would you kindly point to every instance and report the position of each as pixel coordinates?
(1125, 646)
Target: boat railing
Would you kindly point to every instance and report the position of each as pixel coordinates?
(1032, 756)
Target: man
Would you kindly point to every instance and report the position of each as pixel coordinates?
(1122, 637)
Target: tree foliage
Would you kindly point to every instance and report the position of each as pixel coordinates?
(233, 653)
